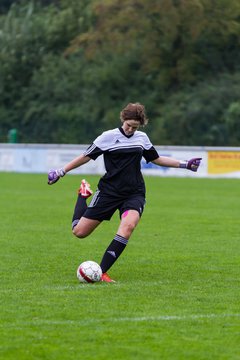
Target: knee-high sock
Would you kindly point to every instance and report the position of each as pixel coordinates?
(80, 207)
(113, 252)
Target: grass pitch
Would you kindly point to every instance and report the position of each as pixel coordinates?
(177, 290)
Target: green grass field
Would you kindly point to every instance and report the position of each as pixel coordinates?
(177, 292)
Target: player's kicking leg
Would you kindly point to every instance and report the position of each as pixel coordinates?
(82, 226)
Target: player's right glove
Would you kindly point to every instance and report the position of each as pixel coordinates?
(54, 175)
(191, 164)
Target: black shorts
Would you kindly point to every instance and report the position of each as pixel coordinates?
(102, 207)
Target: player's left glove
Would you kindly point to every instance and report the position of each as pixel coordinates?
(54, 175)
(191, 164)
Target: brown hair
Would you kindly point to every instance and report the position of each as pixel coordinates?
(134, 112)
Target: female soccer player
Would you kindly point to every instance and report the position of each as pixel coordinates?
(122, 187)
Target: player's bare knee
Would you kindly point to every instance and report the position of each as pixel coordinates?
(78, 233)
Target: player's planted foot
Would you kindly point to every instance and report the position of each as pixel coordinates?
(106, 278)
(85, 189)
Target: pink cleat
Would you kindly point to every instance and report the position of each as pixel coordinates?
(106, 278)
(85, 190)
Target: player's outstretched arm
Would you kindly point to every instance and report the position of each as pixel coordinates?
(192, 164)
(54, 175)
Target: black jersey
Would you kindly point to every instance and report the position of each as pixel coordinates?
(122, 158)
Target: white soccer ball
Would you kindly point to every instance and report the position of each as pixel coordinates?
(89, 272)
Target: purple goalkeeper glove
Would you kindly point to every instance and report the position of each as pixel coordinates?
(54, 175)
(191, 164)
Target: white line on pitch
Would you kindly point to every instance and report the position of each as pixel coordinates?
(123, 319)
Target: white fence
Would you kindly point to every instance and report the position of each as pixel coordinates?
(39, 158)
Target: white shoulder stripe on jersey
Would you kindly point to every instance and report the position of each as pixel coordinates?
(90, 149)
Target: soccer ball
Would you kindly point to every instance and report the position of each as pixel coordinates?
(89, 272)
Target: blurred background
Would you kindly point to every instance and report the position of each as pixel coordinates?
(67, 67)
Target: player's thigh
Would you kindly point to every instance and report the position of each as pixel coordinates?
(129, 221)
(85, 227)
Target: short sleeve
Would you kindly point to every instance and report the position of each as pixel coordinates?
(93, 152)
(150, 154)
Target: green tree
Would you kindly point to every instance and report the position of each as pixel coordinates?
(206, 114)
(28, 33)
(5, 5)
(232, 118)
(174, 41)
(67, 68)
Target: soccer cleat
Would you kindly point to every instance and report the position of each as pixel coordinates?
(106, 278)
(85, 190)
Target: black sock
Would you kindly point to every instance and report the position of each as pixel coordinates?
(80, 207)
(113, 252)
